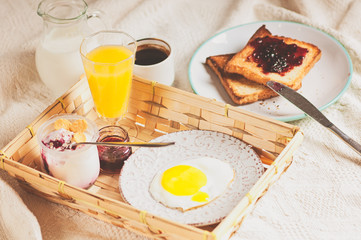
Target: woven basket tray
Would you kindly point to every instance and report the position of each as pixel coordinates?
(156, 109)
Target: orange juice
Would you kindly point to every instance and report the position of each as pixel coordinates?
(109, 74)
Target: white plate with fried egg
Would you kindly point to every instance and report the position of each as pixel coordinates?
(196, 181)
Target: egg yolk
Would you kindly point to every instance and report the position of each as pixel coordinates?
(184, 180)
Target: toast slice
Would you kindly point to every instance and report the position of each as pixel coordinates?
(269, 57)
(241, 90)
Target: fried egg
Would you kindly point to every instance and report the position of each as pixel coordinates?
(191, 183)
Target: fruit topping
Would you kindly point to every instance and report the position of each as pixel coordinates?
(79, 137)
(62, 123)
(275, 56)
(66, 133)
(79, 125)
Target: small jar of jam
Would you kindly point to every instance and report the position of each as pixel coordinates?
(112, 157)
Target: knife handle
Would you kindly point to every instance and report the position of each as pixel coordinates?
(349, 141)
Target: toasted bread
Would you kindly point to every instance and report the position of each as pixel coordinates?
(244, 62)
(240, 89)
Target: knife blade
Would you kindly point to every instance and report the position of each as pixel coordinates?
(307, 107)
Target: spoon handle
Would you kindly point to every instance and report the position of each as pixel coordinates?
(130, 144)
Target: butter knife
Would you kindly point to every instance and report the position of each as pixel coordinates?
(302, 103)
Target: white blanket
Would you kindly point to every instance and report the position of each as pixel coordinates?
(319, 197)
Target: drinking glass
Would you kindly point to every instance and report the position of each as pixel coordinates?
(108, 60)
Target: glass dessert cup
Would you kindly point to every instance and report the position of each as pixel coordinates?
(112, 158)
(76, 166)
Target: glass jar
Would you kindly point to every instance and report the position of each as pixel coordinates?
(112, 157)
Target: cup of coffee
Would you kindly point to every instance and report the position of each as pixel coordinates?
(154, 61)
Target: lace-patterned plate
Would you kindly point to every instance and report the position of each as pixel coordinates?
(140, 168)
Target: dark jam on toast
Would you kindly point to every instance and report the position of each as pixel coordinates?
(275, 56)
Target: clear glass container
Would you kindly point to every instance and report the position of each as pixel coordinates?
(108, 59)
(78, 166)
(112, 158)
(57, 57)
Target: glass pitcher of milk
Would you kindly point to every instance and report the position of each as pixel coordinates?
(57, 56)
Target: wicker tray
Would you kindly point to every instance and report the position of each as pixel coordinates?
(156, 109)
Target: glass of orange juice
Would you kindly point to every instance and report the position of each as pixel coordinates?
(108, 59)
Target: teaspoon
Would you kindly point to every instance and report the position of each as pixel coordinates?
(130, 144)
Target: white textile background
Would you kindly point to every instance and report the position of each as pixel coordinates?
(319, 197)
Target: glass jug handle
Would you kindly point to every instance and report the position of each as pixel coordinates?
(97, 14)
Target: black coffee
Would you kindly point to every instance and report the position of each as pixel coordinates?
(150, 54)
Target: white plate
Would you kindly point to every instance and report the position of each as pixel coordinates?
(140, 168)
(323, 85)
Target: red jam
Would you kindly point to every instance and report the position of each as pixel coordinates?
(275, 56)
(112, 158)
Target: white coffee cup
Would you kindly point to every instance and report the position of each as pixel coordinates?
(154, 61)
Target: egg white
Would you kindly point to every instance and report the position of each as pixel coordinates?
(219, 176)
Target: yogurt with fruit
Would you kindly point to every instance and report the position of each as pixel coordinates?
(76, 165)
